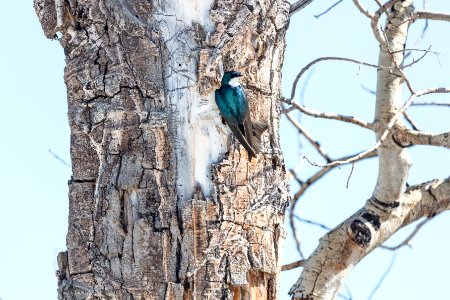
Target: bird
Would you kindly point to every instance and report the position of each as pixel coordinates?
(235, 111)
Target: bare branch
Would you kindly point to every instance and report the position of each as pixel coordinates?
(430, 104)
(314, 223)
(367, 89)
(318, 175)
(422, 35)
(322, 172)
(328, 9)
(299, 5)
(294, 231)
(410, 120)
(326, 268)
(428, 15)
(440, 90)
(360, 63)
(294, 174)
(378, 33)
(349, 294)
(412, 137)
(409, 238)
(58, 158)
(379, 3)
(350, 175)
(317, 114)
(308, 136)
(387, 130)
(406, 80)
(317, 60)
(293, 265)
(425, 52)
(287, 110)
(391, 264)
(362, 9)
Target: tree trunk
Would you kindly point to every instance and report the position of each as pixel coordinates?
(390, 207)
(164, 204)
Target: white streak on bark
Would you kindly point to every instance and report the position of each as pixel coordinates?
(195, 121)
(59, 7)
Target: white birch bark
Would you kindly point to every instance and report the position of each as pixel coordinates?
(390, 207)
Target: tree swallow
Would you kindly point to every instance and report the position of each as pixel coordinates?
(233, 106)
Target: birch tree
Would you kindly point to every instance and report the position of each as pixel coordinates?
(391, 206)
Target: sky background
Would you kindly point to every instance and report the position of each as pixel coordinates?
(33, 122)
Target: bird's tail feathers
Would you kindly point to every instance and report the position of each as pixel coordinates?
(259, 128)
(256, 144)
(243, 141)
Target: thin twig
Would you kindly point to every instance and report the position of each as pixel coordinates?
(391, 53)
(391, 264)
(349, 297)
(317, 60)
(59, 158)
(386, 131)
(430, 104)
(379, 3)
(328, 9)
(422, 34)
(314, 223)
(294, 174)
(310, 139)
(370, 91)
(304, 85)
(377, 31)
(287, 110)
(362, 9)
(303, 188)
(336, 58)
(350, 175)
(319, 174)
(331, 116)
(409, 238)
(415, 61)
(410, 121)
(293, 265)
(299, 5)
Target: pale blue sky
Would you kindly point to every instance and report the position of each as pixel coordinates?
(33, 205)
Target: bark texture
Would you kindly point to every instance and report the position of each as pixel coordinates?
(163, 203)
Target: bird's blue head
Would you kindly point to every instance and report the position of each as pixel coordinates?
(227, 76)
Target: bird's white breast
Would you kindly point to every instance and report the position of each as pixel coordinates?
(234, 82)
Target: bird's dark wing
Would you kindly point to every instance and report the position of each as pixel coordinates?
(245, 119)
(248, 131)
(236, 129)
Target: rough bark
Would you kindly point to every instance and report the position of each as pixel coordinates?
(163, 203)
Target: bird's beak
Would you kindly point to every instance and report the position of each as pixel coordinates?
(239, 75)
